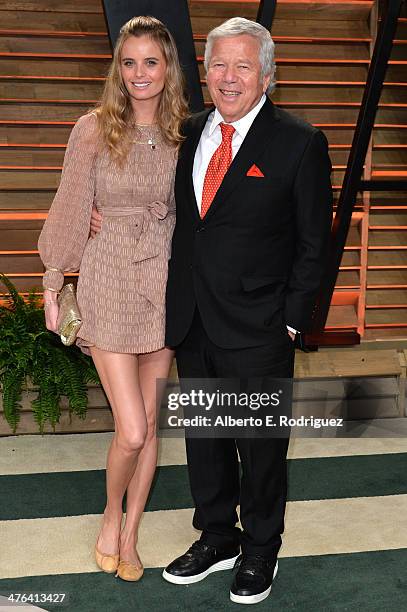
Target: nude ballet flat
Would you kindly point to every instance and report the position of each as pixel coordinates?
(107, 563)
(129, 571)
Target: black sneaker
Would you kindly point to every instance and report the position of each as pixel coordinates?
(253, 579)
(199, 561)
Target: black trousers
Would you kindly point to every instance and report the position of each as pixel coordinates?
(213, 463)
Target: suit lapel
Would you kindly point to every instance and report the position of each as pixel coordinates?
(263, 127)
(188, 152)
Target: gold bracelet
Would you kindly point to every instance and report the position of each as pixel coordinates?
(53, 269)
(54, 290)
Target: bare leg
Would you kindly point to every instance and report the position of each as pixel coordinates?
(119, 376)
(152, 366)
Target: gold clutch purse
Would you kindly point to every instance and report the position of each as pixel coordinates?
(69, 317)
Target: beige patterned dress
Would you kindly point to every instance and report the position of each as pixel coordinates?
(123, 270)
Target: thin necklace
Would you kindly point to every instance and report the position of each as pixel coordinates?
(151, 140)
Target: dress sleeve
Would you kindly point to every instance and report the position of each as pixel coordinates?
(66, 230)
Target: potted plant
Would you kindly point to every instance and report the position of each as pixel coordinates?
(28, 351)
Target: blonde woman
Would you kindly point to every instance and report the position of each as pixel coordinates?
(122, 157)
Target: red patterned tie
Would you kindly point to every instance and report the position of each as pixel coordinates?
(217, 168)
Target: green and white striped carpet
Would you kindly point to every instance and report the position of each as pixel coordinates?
(345, 543)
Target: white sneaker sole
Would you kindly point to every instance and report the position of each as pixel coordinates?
(253, 599)
(226, 564)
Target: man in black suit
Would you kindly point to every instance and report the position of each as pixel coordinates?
(254, 206)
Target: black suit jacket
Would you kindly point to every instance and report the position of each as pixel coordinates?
(254, 263)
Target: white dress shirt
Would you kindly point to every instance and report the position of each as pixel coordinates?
(210, 140)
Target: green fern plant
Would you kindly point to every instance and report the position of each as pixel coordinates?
(29, 351)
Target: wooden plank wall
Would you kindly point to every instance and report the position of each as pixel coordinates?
(53, 60)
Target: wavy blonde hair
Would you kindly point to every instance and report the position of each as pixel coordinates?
(114, 111)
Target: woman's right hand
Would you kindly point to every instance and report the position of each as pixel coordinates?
(51, 310)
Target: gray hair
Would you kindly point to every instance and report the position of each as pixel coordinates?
(237, 26)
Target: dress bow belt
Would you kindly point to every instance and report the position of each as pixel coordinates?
(151, 239)
(157, 209)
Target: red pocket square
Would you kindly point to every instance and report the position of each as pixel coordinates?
(255, 171)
